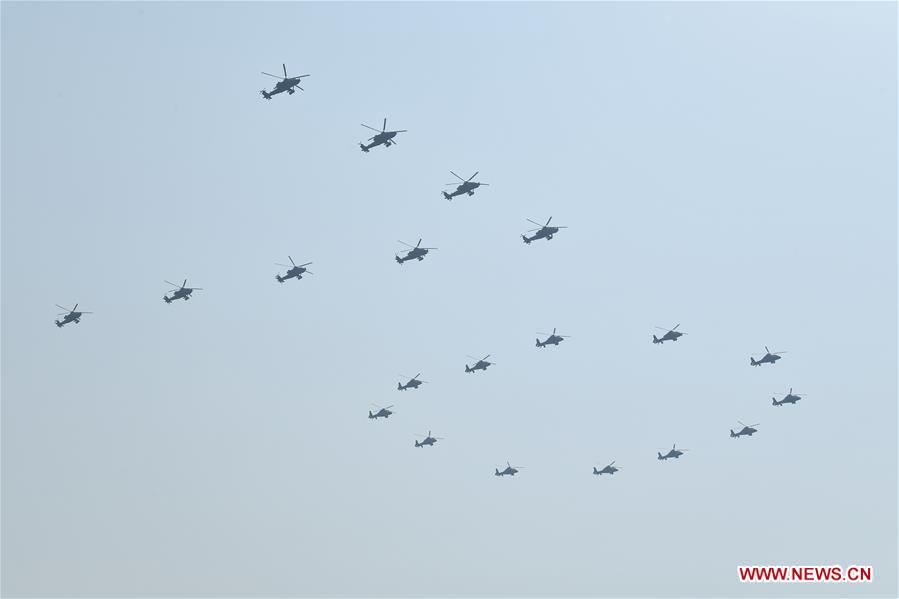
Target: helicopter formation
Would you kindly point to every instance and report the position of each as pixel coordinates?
(387, 138)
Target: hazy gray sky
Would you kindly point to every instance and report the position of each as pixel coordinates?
(730, 167)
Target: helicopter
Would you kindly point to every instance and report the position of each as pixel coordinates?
(285, 85)
(748, 430)
(381, 413)
(481, 364)
(293, 271)
(671, 335)
(416, 252)
(69, 316)
(180, 292)
(769, 357)
(468, 186)
(610, 469)
(552, 339)
(674, 453)
(789, 398)
(510, 470)
(429, 440)
(382, 137)
(543, 232)
(413, 383)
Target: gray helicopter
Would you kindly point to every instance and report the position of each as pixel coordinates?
(790, 397)
(382, 137)
(674, 453)
(416, 253)
(68, 316)
(468, 186)
(509, 470)
(481, 364)
(770, 357)
(287, 84)
(381, 413)
(552, 339)
(293, 270)
(429, 440)
(413, 383)
(748, 430)
(543, 231)
(671, 335)
(610, 469)
(180, 292)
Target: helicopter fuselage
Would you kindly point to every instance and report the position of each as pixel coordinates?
(606, 470)
(296, 271)
(507, 472)
(791, 399)
(70, 317)
(467, 187)
(669, 336)
(746, 431)
(481, 365)
(382, 413)
(413, 384)
(766, 359)
(427, 441)
(379, 139)
(671, 454)
(551, 340)
(413, 254)
(544, 233)
(180, 294)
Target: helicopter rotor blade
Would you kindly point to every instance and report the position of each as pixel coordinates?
(535, 222)
(284, 265)
(184, 283)
(547, 222)
(372, 128)
(675, 326)
(473, 176)
(485, 357)
(170, 283)
(303, 265)
(767, 350)
(457, 177)
(384, 127)
(270, 75)
(284, 66)
(419, 242)
(291, 260)
(61, 308)
(406, 244)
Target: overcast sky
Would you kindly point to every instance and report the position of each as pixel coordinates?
(727, 166)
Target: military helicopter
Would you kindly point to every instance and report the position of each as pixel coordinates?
(69, 316)
(180, 292)
(789, 398)
(610, 469)
(413, 383)
(674, 453)
(769, 357)
(285, 85)
(671, 335)
(381, 413)
(481, 364)
(747, 430)
(293, 271)
(429, 440)
(552, 339)
(468, 186)
(383, 137)
(509, 470)
(543, 232)
(416, 252)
